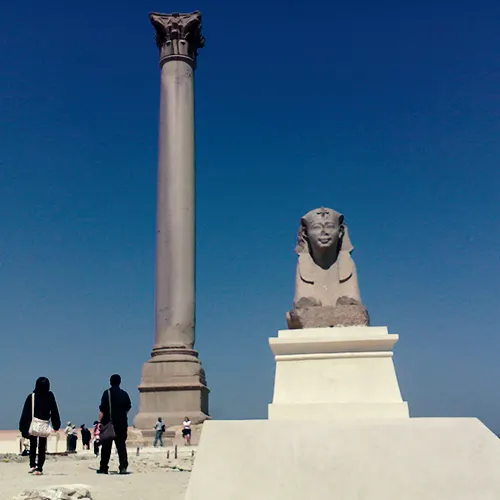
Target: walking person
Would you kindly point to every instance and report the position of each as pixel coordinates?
(40, 404)
(86, 437)
(159, 429)
(186, 431)
(97, 440)
(115, 405)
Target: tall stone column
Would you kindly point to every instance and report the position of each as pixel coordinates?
(173, 381)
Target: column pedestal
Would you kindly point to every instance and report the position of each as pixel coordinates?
(172, 387)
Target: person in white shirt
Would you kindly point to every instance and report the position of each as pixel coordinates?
(186, 431)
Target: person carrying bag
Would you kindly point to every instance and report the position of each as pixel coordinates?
(40, 409)
(108, 430)
(114, 407)
(38, 427)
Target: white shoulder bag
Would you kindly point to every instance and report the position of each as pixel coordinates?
(38, 427)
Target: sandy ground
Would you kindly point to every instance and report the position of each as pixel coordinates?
(152, 476)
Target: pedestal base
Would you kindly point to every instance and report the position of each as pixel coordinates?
(172, 387)
(387, 459)
(337, 410)
(343, 372)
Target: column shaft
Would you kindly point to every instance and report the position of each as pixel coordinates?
(175, 244)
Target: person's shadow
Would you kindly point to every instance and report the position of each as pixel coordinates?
(111, 473)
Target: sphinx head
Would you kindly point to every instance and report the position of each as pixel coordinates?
(323, 233)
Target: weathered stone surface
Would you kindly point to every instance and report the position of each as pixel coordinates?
(326, 285)
(319, 317)
(65, 492)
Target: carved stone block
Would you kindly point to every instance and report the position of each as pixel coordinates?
(328, 316)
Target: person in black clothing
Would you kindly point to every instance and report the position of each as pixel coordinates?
(45, 409)
(86, 437)
(120, 406)
(73, 439)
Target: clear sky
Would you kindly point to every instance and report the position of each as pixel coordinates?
(386, 111)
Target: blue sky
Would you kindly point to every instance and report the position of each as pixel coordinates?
(385, 111)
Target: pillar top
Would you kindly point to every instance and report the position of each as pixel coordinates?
(178, 36)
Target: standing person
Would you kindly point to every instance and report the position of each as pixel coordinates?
(117, 415)
(73, 439)
(97, 441)
(45, 408)
(86, 437)
(68, 431)
(186, 431)
(159, 429)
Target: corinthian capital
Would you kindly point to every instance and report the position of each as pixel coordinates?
(178, 36)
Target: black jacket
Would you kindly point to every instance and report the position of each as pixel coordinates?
(120, 406)
(45, 407)
(86, 435)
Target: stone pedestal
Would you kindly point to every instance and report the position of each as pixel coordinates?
(328, 373)
(338, 428)
(172, 387)
(359, 459)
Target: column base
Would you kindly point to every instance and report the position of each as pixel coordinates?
(173, 386)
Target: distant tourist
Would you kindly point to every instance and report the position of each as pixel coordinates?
(73, 439)
(41, 404)
(86, 437)
(115, 405)
(68, 431)
(159, 429)
(97, 440)
(186, 431)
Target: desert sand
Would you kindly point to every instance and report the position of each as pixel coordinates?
(152, 476)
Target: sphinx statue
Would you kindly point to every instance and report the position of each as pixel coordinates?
(326, 284)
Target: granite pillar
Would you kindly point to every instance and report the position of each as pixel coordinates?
(173, 381)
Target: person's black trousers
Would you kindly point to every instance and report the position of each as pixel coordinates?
(42, 449)
(96, 448)
(121, 447)
(73, 441)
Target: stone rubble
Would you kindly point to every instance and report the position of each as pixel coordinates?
(64, 492)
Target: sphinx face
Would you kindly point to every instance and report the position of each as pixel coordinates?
(324, 235)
